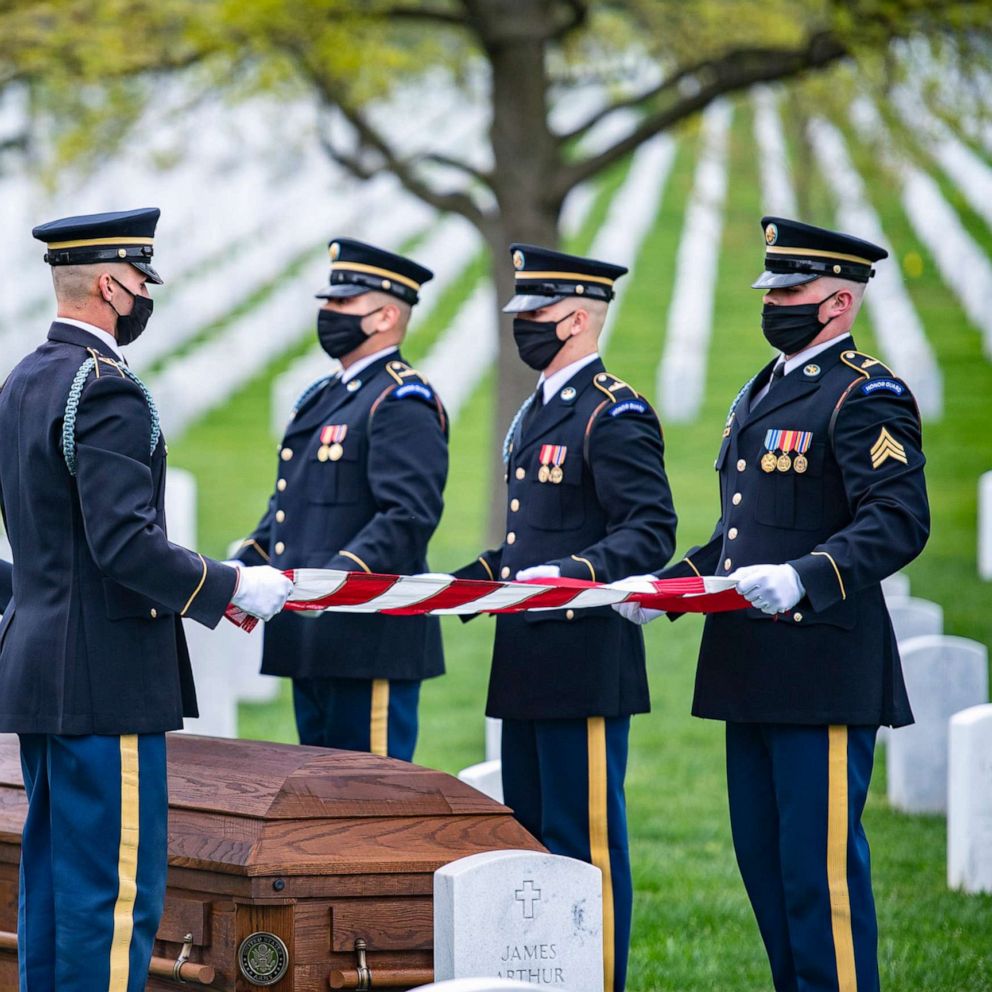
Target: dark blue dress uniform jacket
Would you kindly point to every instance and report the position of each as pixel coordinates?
(855, 516)
(92, 642)
(610, 517)
(375, 508)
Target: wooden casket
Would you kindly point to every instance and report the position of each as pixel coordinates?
(290, 868)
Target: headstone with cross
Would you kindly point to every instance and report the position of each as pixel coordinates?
(522, 916)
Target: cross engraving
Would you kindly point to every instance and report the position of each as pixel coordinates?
(528, 894)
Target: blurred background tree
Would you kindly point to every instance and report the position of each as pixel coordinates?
(93, 63)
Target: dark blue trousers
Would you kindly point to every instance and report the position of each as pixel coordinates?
(563, 779)
(377, 715)
(93, 861)
(796, 798)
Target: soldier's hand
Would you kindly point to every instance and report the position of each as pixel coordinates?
(770, 588)
(634, 612)
(539, 572)
(262, 591)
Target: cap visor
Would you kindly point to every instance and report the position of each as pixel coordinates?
(521, 303)
(779, 280)
(149, 273)
(341, 291)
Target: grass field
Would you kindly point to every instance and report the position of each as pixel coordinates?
(693, 928)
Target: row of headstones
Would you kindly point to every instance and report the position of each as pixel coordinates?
(940, 764)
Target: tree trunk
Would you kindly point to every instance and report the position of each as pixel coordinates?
(526, 157)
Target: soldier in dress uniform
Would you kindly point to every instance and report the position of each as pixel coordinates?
(822, 496)
(588, 498)
(93, 663)
(359, 485)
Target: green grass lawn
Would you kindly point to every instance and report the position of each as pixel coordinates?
(693, 928)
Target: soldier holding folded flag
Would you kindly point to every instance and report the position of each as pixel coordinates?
(822, 496)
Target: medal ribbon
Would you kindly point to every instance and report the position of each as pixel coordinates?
(333, 433)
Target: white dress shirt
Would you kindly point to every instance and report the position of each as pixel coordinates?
(363, 363)
(98, 332)
(557, 380)
(802, 358)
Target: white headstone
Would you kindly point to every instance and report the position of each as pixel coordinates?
(896, 586)
(520, 915)
(476, 985)
(985, 526)
(487, 777)
(943, 675)
(969, 800)
(913, 617)
(180, 507)
(494, 738)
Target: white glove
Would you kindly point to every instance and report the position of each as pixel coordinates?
(539, 572)
(770, 588)
(634, 612)
(262, 591)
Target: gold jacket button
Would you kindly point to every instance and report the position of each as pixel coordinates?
(280, 547)
(504, 572)
(281, 485)
(286, 454)
(737, 499)
(732, 533)
(511, 538)
(514, 505)
(741, 464)
(727, 563)
(520, 473)
(280, 516)
(797, 617)
(153, 613)
(569, 614)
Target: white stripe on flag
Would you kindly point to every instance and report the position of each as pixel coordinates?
(499, 599)
(408, 591)
(315, 583)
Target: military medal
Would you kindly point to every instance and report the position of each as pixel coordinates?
(803, 440)
(800, 464)
(551, 458)
(784, 462)
(786, 440)
(768, 459)
(331, 448)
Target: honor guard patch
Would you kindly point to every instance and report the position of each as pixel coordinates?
(415, 389)
(629, 406)
(886, 385)
(887, 447)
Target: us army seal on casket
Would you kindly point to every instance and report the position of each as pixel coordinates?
(263, 958)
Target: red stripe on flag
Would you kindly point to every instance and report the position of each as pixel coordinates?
(461, 591)
(358, 589)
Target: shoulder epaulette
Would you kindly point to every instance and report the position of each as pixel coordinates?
(866, 366)
(613, 388)
(409, 384)
(315, 387)
(93, 364)
(621, 399)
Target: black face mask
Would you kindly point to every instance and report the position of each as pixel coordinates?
(791, 328)
(538, 341)
(341, 333)
(130, 325)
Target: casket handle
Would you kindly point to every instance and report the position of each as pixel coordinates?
(362, 978)
(180, 970)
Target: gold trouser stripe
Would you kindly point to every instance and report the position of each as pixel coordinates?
(199, 586)
(840, 581)
(485, 565)
(840, 900)
(817, 252)
(374, 270)
(588, 564)
(570, 276)
(688, 561)
(599, 837)
(127, 867)
(121, 240)
(356, 559)
(379, 725)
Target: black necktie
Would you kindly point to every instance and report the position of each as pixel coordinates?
(536, 402)
(777, 373)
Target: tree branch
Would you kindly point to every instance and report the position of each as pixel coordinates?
(436, 15)
(486, 178)
(716, 77)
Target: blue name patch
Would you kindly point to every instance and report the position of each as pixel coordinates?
(413, 389)
(629, 406)
(874, 385)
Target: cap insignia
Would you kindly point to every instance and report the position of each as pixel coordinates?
(334, 251)
(518, 259)
(771, 234)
